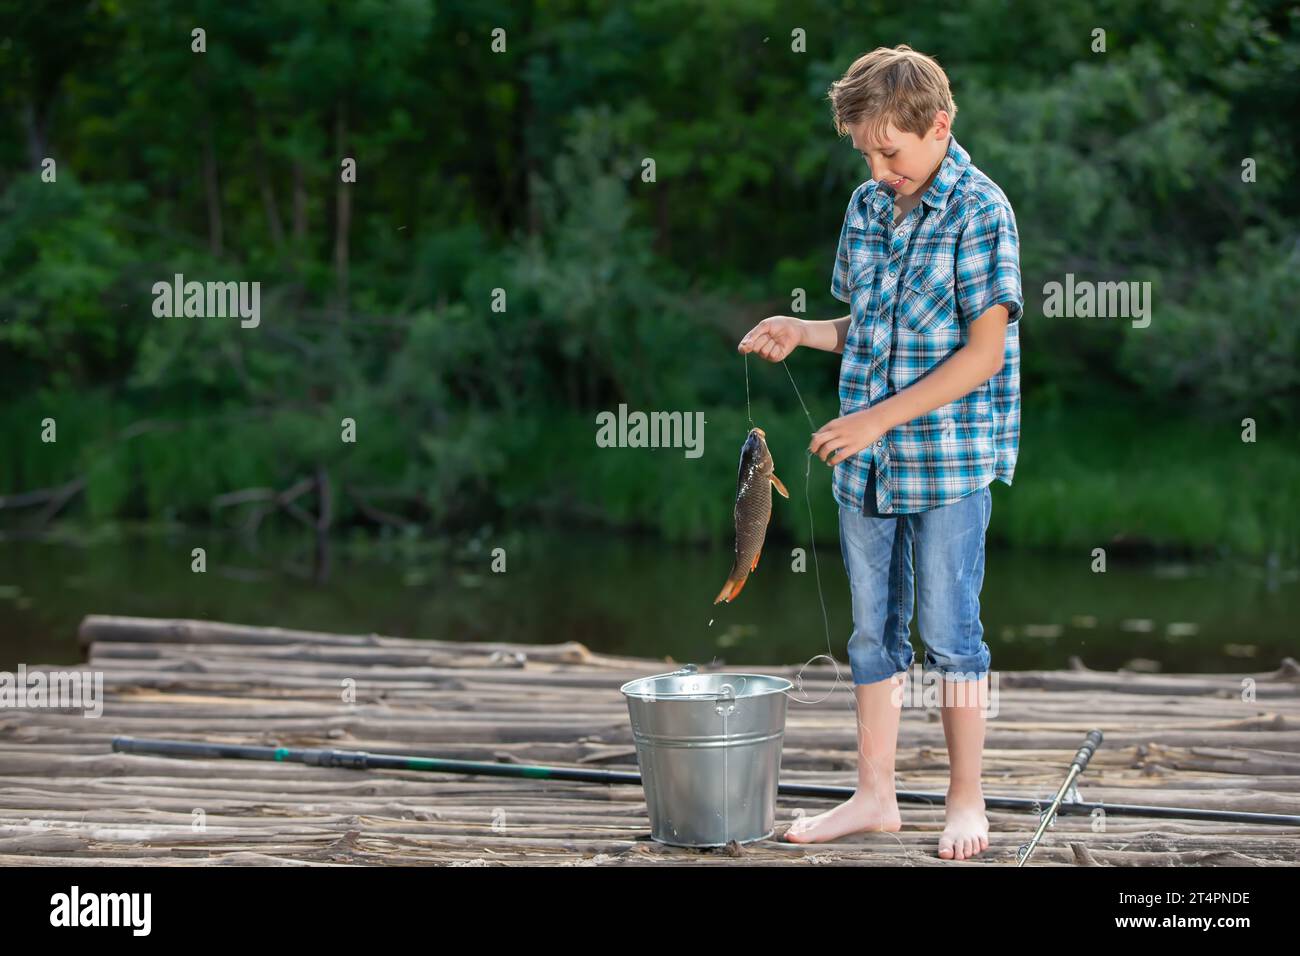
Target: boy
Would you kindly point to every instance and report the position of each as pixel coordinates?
(928, 262)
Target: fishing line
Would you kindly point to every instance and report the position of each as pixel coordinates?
(821, 597)
(748, 408)
(812, 539)
(812, 545)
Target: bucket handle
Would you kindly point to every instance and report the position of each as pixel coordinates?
(725, 692)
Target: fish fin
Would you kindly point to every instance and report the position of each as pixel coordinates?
(732, 587)
(780, 486)
(726, 593)
(755, 564)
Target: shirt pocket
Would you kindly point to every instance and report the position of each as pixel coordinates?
(927, 300)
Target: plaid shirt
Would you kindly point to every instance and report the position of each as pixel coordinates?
(913, 291)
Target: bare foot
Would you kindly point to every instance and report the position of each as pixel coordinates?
(858, 814)
(966, 829)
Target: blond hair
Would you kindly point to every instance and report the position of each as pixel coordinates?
(898, 85)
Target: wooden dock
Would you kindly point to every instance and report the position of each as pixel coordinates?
(1177, 740)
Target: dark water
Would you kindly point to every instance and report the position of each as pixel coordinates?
(636, 596)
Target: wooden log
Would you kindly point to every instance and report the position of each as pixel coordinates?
(608, 680)
(109, 628)
(1171, 740)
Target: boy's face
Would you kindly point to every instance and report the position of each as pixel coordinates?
(903, 161)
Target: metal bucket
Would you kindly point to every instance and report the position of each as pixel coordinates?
(709, 748)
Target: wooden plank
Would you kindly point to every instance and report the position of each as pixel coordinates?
(1189, 740)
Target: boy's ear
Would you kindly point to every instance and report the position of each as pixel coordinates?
(942, 124)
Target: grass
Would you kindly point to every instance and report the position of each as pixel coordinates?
(1113, 477)
(1101, 477)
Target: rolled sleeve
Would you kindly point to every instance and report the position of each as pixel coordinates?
(840, 274)
(988, 265)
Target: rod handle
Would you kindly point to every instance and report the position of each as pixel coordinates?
(1089, 747)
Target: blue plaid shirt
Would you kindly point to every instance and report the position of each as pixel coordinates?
(913, 292)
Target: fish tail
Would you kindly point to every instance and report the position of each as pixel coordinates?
(731, 589)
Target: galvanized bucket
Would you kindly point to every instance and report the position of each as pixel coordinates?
(709, 748)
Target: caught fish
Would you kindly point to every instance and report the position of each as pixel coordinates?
(753, 510)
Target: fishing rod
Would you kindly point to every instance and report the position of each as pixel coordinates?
(1048, 817)
(361, 760)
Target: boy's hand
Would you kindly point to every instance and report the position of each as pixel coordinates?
(844, 437)
(774, 338)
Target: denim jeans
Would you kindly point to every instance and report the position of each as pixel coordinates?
(949, 572)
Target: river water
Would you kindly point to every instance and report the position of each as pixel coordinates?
(638, 596)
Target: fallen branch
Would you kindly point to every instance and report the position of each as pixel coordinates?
(66, 494)
(41, 495)
(54, 500)
(277, 499)
(242, 497)
(377, 514)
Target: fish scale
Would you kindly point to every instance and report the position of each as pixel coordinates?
(753, 510)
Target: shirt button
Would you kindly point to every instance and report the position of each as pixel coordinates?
(881, 443)
(893, 272)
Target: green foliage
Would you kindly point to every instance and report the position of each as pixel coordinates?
(1233, 345)
(65, 278)
(1141, 475)
(523, 171)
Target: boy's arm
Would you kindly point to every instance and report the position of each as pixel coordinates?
(961, 373)
(987, 275)
(828, 336)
